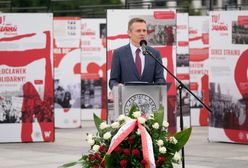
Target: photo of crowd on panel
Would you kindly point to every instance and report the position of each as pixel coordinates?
(239, 33)
(159, 33)
(228, 112)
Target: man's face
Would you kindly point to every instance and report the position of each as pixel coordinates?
(137, 32)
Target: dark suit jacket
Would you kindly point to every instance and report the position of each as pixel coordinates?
(123, 68)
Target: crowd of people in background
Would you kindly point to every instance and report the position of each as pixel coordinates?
(226, 114)
(239, 34)
(160, 34)
(35, 109)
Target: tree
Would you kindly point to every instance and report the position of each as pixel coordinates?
(63, 7)
(186, 6)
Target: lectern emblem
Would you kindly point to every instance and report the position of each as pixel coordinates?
(144, 103)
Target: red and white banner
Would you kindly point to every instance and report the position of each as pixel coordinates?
(161, 26)
(228, 76)
(93, 68)
(182, 66)
(26, 84)
(67, 83)
(198, 54)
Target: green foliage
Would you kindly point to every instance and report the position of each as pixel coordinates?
(63, 7)
(108, 161)
(97, 121)
(69, 164)
(83, 8)
(187, 7)
(159, 116)
(182, 138)
(133, 109)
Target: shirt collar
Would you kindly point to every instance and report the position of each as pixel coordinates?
(133, 48)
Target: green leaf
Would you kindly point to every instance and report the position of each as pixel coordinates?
(159, 116)
(68, 164)
(108, 161)
(97, 121)
(182, 138)
(132, 110)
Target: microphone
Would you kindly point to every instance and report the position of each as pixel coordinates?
(143, 45)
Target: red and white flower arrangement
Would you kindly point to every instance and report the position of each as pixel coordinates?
(133, 141)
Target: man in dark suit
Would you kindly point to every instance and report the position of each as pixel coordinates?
(128, 62)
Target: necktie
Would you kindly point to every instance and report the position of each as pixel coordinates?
(138, 62)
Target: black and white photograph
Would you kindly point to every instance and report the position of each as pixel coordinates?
(103, 30)
(227, 111)
(194, 103)
(66, 96)
(239, 33)
(185, 103)
(8, 113)
(91, 94)
(182, 60)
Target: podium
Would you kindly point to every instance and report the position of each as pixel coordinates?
(147, 97)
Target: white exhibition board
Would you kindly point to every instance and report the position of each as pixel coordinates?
(93, 68)
(67, 75)
(228, 86)
(26, 92)
(199, 56)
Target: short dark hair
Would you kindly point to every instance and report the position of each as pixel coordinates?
(133, 20)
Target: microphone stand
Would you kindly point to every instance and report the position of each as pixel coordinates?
(180, 87)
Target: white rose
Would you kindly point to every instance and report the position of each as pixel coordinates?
(136, 114)
(162, 150)
(142, 120)
(160, 142)
(121, 117)
(103, 125)
(165, 124)
(173, 140)
(107, 135)
(96, 148)
(155, 125)
(91, 142)
(177, 157)
(127, 119)
(115, 125)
